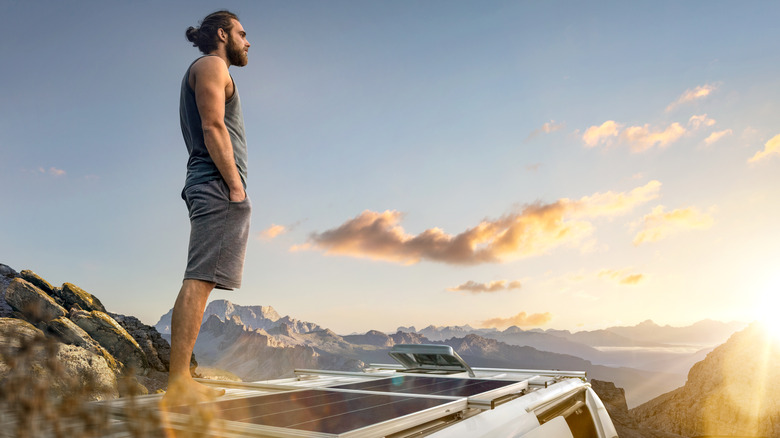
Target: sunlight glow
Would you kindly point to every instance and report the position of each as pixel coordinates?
(768, 308)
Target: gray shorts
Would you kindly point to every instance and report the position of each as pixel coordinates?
(219, 230)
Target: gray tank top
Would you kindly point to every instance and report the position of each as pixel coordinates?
(200, 166)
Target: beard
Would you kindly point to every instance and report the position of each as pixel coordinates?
(236, 54)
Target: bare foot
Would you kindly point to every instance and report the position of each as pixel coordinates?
(192, 396)
(189, 392)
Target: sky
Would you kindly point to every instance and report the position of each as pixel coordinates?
(562, 164)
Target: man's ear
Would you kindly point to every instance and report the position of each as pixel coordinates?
(222, 34)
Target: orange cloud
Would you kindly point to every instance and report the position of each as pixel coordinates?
(660, 224)
(642, 138)
(610, 203)
(272, 231)
(536, 229)
(697, 93)
(521, 320)
(715, 136)
(493, 286)
(621, 277)
(601, 134)
(772, 147)
(639, 138)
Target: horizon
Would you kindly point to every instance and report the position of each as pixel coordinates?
(417, 329)
(543, 165)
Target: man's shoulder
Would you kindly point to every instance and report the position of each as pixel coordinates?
(208, 63)
(210, 69)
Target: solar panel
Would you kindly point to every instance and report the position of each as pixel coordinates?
(442, 386)
(327, 412)
(369, 408)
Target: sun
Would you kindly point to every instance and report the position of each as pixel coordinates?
(768, 308)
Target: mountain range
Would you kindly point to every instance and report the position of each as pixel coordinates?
(256, 343)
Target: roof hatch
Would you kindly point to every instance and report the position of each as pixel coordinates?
(426, 358)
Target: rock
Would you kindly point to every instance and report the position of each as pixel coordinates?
(32, 302)
(6, 275)
(56, 368)
(614, 400)
(113, 337)
(73, 295)
(68, 332)
(7, 271)
(92, 375)
(732, 392)
(38, 282)
(14, 332)
(157, 349)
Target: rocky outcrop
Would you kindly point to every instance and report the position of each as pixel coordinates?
(31, 302)
(113, 337)
(30, 362)
(732, 392)
(614, 400)
(83, 331)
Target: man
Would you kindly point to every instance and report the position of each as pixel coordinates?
(214, 191)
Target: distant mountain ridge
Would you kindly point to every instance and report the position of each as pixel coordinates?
(672, 350)
(254, 317)
(705, 333)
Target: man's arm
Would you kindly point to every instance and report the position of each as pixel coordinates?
(211, 80)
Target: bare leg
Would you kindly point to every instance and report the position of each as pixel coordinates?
(185, 325)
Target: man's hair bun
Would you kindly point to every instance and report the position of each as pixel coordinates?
(205, 36)
(192, 35)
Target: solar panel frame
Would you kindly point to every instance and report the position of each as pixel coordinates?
(356, 422)
(391, 404)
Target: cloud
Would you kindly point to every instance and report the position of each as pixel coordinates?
(772, 147)
(621, 277)
(688, 96)
(611, 204)
(715, 136)
(53, 171)
(521, 320)
(639, 138)
(601, 134)
(642, 138)
(493, 286)
(546, 128)
(272, 232)
(696, 122)
(536, 229)
(660, 224)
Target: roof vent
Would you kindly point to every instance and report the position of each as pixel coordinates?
(431, 359)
